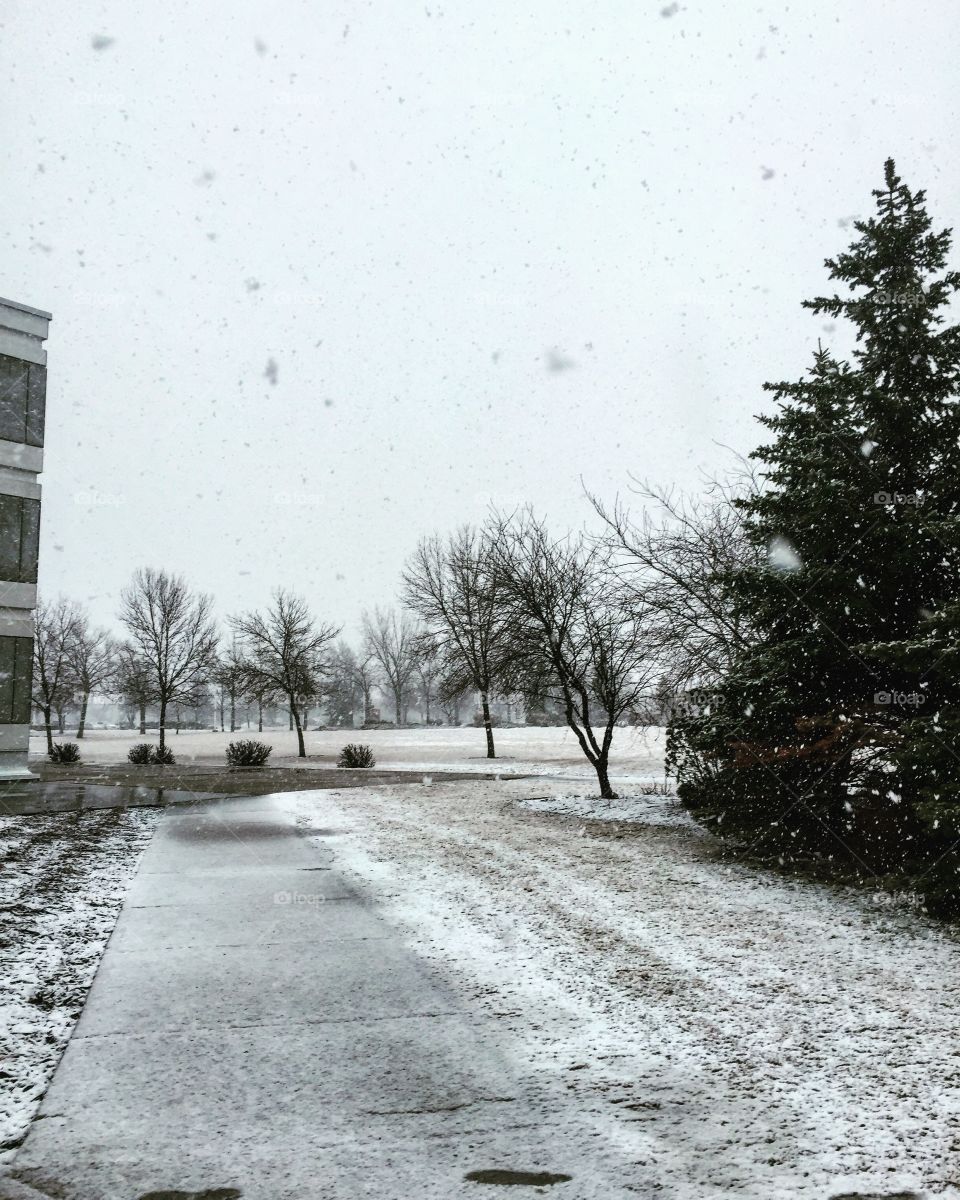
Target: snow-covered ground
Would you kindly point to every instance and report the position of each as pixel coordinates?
(637, 807)
(637, 752)
(736, 1033)
(62, 884)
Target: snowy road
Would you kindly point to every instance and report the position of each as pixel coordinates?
(725, 1031)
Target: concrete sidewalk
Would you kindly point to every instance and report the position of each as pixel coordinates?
(256, 1030)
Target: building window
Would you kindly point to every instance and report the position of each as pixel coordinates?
(16, 676)
(19, 538)
(23, 390)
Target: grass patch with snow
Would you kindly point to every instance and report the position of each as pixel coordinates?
(62, 883)
(639, 805)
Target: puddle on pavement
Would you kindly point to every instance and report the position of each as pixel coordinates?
(36, 798)
(502, 1178)
(223, 829)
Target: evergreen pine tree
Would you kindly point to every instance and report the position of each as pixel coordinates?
(813, 740)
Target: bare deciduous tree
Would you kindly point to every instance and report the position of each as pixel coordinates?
(572, 630)
(680, 558)
(229, 674)
(428, 670)
(93, 662)
(390, 640)
(285, 651)
(133, 682)
(342, 690)
(56, 629)
(451, 586)
(173, 632)
(364, 673)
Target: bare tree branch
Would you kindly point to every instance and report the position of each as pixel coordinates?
(390, 640)
(573, 626)
(451, 585)
(173, 632)
(286, 651)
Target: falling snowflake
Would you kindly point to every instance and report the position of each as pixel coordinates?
(782, 556)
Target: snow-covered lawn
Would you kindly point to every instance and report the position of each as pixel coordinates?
(734, 1032)
(62, 885)
(637, 753)
(633, 806)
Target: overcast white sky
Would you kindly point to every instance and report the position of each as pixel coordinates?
(326, 277)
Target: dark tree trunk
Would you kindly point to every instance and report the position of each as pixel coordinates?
(259, 716)
(83, 715)
(488, 725)
(48, 726)
(295, 717)
(606, 791)
(163, 722)
(398, 707)
(233, 712)
(598, 755)
(291, 718)
(143, 719)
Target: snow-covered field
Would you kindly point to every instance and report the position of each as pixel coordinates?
(637, 753)
(735, 1033)
(62, 885)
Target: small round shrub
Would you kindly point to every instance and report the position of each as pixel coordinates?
(140, 754)
(356, 755)
(162, 757)
(64, 752)
(247, 753)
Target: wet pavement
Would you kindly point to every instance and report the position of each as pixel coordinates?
(39, 796)
(34, 797)
(257, 1029)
